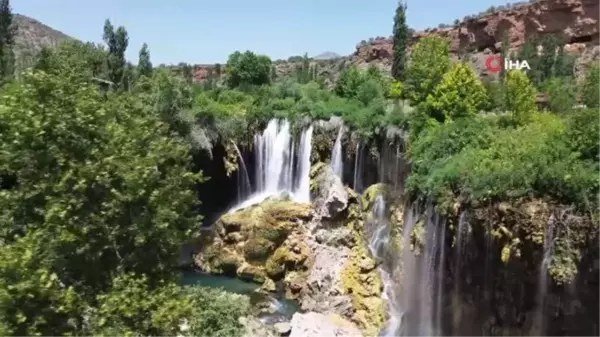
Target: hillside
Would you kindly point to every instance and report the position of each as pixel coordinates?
(31, 36)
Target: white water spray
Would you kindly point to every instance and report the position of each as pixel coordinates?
(274, 164)
(337, 163)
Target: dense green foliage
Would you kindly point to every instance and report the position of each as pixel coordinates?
(144, 67)
(591, 87)
(429, 62)
(248, 69)
(97, 186)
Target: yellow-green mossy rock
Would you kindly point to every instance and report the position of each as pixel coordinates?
(364, 287)
(361, 281)
(245, 240)
(372, 192)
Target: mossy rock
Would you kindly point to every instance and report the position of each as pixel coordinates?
(364, 289)
(372, 192)
(251, 273)
(226, 262)
(273, 219)
(290, 257)
(258, 249)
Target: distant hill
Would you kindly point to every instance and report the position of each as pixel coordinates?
(328, 55)
(31, 36)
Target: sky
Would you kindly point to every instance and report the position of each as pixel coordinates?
(207, 31)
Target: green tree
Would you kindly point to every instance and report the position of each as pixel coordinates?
(562, 94)
(7, 32)
(117, 42)
(144, 67)
(519, 96)
(101, 175)
(590, 93)
(550, 44)
(401, 39)
(134, 307)
(505, 52)
(248, 69)
(429, 62)
(459, 94)
(348, 83)
(528, 52)
(564, 64)
(33, 300)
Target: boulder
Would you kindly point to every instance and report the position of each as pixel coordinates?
(331, 197)
(283, 328)
(243, 241)
(313, 324)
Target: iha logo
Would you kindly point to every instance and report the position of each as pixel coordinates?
(495, 64)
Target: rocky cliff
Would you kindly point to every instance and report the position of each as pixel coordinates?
(575, 21)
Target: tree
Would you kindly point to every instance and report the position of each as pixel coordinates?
(519, 96)
(562, 94)
(117, 42)
(7, 32)
(529, 53)
(248, 69)
(459, 94)
(348, 83)
(550, 44)
(144, 67)
(401, 39)
(591, 88)
(118, 191)
(429, 62)
(133, 307)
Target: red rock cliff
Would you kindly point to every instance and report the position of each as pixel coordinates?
(575, 20)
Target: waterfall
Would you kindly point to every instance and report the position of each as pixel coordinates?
(379, 246)
(423, 291)
(357, 184)
(243, 180)
(337, 162)
(274, 164)
(462, 238)
(303, 192)
(540, 324)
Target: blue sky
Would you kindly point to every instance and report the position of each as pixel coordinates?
(206, 31)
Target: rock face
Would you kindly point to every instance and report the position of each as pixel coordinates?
(257, 243)
(313, 324)
(315, 252)
(574, 20)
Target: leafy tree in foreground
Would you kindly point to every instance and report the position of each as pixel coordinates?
(591, 88)
(401, 38)
(103, 177)
(460, 94)
(248, 69)
(519, 96)
(429, 62)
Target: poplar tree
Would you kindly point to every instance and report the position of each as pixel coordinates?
(7, 32)
(401, 38)
(144, 67)
(117, 42)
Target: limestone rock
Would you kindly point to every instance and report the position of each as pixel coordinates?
(283, 328)
(255, 327)
(331, 195)
(243, 241)
(313, 324)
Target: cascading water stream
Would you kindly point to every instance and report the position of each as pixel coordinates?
(274, 164)
(379, 246)
(337, 163)
(423, 271)
(543, 276)
(357, 184)
(243, 184)
(303, 191)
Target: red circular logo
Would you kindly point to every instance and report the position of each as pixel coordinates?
(493, 64)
